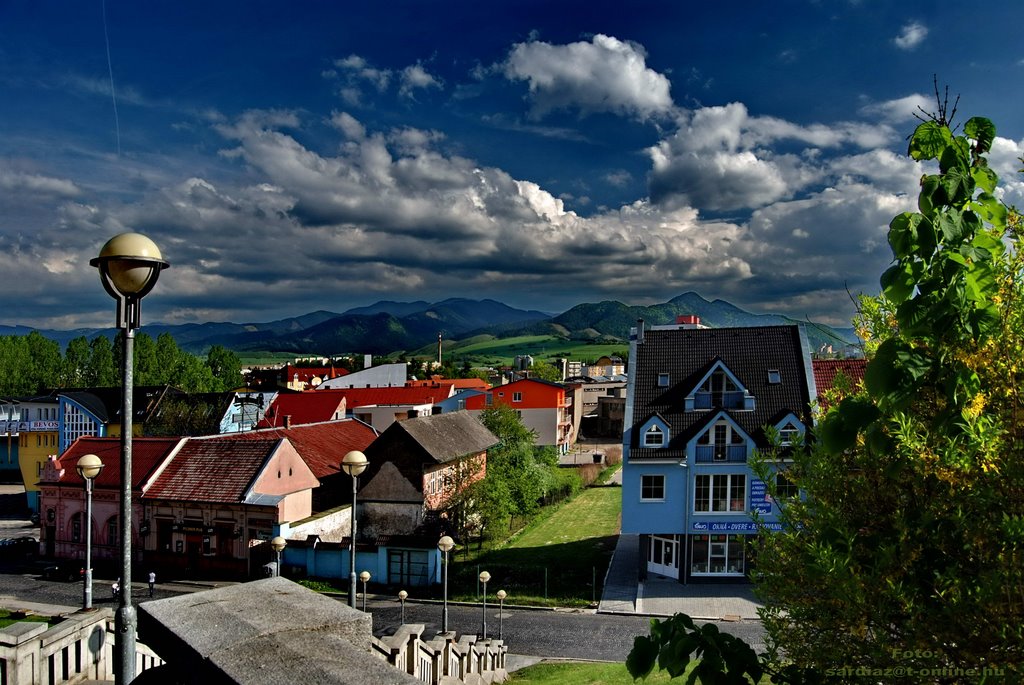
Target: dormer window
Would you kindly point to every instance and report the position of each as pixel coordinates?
(774, 377)
(788, 434)
(721, 442)
(720, 389)
(654, 436)
(662, 380)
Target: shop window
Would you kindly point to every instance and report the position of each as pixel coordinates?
(717, 554)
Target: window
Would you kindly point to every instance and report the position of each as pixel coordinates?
(789, 435)
(784, 487)
(112, 531)
(725, 493)
(774, 377)
(662, 380)
(652, 488)
(76, 528)
(517, 397)
(721, 442)
(654, 437)
(164, 534)
(717, 554)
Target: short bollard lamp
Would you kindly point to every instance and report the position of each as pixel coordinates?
(402, 594)
(129, 264)
(353, 463)
(365, 578)
(278, 544)
(89, 468)
(484, 577)
(501, 595)
(445, 544)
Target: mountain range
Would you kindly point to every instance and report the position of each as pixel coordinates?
(387, 327)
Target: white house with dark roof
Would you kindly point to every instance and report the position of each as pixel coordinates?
(699, 402)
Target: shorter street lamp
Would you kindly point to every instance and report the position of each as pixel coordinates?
(484, 577)
(402, 594)
(278, 545)
(365, 577)
(353, 464)
(89, 468)
(501, 595)
(445, 544)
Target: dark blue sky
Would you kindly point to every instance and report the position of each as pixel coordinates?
(293, 156)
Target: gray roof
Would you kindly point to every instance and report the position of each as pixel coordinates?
(447, 436)
(686, 355)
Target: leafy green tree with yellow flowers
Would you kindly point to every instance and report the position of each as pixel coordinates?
(905, 554)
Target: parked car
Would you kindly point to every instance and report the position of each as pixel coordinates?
(11, 548)
(65, 570)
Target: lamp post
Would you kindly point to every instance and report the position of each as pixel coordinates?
(89, 468)
(484, 577)
(353, 464)
(501, 595)
(278, 544)
(445, 544)
(402, 594)
(129, 265)
(365, 578)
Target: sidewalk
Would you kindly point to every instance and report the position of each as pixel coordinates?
(657, 596)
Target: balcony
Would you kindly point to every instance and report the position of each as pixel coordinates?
(721, 454)
(734, 399)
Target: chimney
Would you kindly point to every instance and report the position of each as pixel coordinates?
(639, 331)
(287, 421)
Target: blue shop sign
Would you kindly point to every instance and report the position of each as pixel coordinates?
(732, 526)
(760, 500)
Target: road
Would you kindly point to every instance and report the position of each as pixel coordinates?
(542, 633)
(532, 632)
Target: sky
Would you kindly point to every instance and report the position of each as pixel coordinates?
(289, 157)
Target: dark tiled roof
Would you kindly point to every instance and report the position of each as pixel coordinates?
(213, 469)
(321, 445)
(688, 354)
(447, 436)
(105, 403)
(147, 455)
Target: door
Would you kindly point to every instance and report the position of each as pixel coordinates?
(663, 556)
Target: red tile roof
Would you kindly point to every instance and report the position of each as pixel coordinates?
(826, 370)
(147, 455)
(361, 397)
(312, 406)
(213, 470)
(321, 445)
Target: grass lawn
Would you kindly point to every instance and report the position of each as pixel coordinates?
(6, 620)
(579, 673)
(557, 558)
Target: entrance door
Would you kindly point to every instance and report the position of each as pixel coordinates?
(663, 556)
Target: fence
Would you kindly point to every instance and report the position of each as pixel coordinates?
(80, 647)
(443, 659)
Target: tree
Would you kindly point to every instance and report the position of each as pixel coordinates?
(908, 549)
(147, 367)
(226, 368)
(76, 362)
(45, 361)
(100, 370)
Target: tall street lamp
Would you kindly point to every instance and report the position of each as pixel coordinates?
(501, 595)
(402, 594)
(129, 265)
(353, 464)
(278, 545)
(484, 577)
(365, 578)
(445, 544)
(89, 468)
